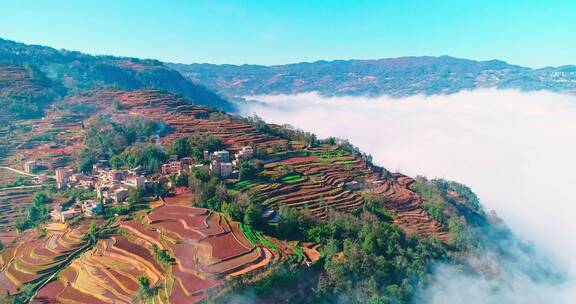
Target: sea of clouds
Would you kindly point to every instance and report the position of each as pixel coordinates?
(516, 150)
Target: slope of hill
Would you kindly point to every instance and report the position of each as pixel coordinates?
(76, 71)
(396, 77)
(299, 220)
(377, 231)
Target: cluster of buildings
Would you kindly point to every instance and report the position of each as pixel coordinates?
(66, 178)
(87, 208)
(220, 163)
(111, 185)
(176, 167)
(246, 153)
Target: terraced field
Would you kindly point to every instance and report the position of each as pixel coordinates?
(30, 262)
(314, 183)
(184, 118)
(320, 180)
(13, 203)
(205, 248)
(407, 206)
(52, 142)
(331, 179)
(16, 81)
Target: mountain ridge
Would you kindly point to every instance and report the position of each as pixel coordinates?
(396, 77)
(76, 71)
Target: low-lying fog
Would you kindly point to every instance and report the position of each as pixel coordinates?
(515, 150)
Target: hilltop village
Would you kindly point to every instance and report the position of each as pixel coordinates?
(113, 185)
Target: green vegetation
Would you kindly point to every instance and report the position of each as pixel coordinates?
(285, 131)
(461, 189)
(299, 252)
(244, 184)
(162, 255)
(249, 170)
(278, 278)
(448, 211)
(107, 139)
(74, 194)
(231, 210)
(20, 181)
(360, 251)
(145, 291)
(433, 203)
(92, 233)
(256, 237)
(292, 179)
(37, 213)
(134, 196)
(29, 103)
(146, 155)
(293, 225)
(194, 146)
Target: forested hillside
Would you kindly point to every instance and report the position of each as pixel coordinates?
(62, 72)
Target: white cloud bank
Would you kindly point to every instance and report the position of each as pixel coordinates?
(516, 150)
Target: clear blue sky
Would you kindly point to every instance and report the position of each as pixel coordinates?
(526, 32)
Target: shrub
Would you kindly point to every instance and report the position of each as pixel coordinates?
(144, 287)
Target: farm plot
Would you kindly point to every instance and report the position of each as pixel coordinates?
(316, 183)
(30, 262)
(13, 203)
(189, 120)
(406, 205)
(106, 274)
(183, 250)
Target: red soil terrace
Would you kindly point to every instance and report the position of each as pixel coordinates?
(206, 248)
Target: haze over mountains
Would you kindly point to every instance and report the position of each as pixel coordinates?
(397, 77)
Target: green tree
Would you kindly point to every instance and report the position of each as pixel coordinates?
(86, 160)
(161, 189)
(134, 196)
(249, 169)
(253, 216)
(145, 290)
(116, 162)
(293, 224)
(231, 210)
(37, 213)
(319, 234)
(162, 255)
(182, 147)
(92, 233)
(181, 180)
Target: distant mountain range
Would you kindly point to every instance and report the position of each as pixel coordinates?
(46, 69)
(395, 77)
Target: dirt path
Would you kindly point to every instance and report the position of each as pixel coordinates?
(23, 187)
(24, 173)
